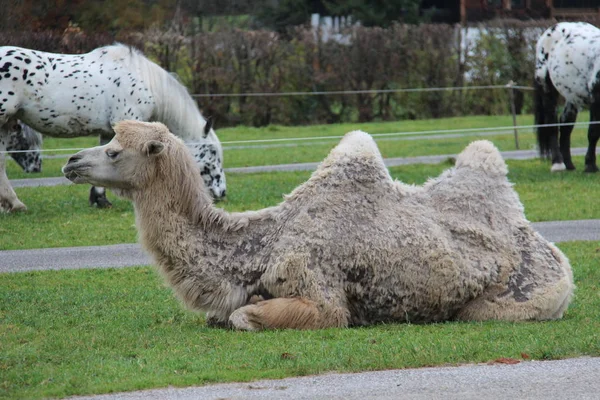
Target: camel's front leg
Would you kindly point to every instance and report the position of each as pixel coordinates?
(288, 313)
(8, 198)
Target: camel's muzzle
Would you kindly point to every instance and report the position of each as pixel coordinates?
(74, 169)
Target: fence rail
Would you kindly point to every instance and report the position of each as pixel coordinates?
(369, 91)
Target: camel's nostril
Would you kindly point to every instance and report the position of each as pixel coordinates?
(74, 158)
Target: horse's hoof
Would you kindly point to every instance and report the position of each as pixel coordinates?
(6, 206)
(104, 203)
(18, 208)
(99, 200)
(570, 167)
(590, 168)
(558, 167)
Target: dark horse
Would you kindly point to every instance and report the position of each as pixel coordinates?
(567, 63)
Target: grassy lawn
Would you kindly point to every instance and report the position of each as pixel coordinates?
(79, 332)
(60, 216)
(96, 331)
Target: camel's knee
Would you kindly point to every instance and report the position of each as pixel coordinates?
(547, 304)
(287, 313)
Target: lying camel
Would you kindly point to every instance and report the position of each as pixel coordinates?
(349, 247)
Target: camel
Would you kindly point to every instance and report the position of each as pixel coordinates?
(349, 247)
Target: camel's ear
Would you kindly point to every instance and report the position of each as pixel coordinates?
(153, 148)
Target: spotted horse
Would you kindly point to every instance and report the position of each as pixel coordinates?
(567, 64)
(67, 95)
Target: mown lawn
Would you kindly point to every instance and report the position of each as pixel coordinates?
(97, 331)
(71, 332)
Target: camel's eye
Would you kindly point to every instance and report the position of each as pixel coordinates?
(112, 154)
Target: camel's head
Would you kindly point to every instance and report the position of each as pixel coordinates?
(128, 162)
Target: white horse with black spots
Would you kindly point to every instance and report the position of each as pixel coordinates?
(567, 64)
(66, 95)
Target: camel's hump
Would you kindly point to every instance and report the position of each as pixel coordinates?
(484, 156)
(357, 143)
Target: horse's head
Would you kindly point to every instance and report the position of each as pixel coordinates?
(209, 157)
(24, 145)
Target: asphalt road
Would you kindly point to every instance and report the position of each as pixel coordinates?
(564, 379)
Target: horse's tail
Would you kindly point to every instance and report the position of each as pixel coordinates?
(544, 114)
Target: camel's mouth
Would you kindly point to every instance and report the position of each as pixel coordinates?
(74, 174)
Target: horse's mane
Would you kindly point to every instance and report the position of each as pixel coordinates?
(174, 105)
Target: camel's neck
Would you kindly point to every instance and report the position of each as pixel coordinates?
(171, 209)
(204, 253)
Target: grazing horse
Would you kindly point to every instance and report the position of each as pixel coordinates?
(567, 64)
(65, 95)
(23, 144)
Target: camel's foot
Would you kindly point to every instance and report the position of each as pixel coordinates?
(98, 198)
(558, 167)
(243, 319)
(278, 313)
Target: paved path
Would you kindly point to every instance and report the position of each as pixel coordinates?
(124, 255)
(389, 162)
(564, 379)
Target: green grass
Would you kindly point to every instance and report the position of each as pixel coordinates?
(80, 332)
(60, 216)
(96, 331)
(316, 151)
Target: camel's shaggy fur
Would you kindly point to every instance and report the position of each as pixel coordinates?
(348, 247)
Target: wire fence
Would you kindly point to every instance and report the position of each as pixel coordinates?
(500, 130)
(367, 91)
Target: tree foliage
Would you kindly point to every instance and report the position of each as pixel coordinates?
(381, 13)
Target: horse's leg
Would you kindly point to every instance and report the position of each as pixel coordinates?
(546, 100)
(568, 116)
(593, 136)
(98, 194)
(8, 198)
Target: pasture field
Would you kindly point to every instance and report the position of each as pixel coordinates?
(98, 331)
(80, 332)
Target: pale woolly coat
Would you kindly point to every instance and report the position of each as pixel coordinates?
(351, 246)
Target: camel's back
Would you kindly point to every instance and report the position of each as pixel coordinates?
(395, 252)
